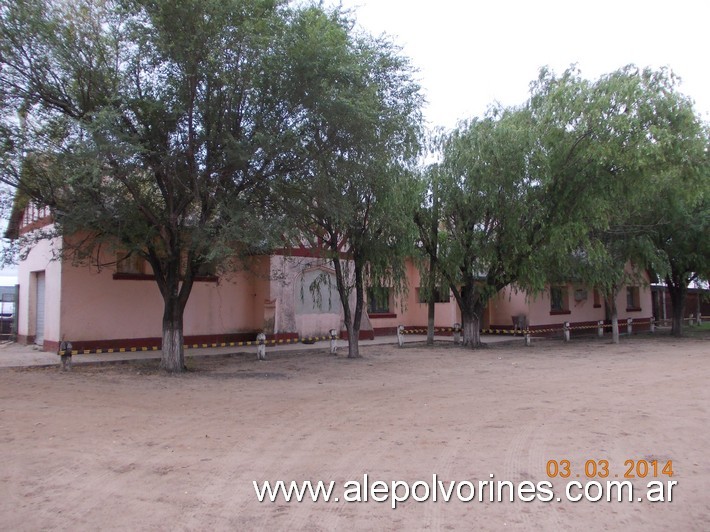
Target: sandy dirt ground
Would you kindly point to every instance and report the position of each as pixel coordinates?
(128, 448)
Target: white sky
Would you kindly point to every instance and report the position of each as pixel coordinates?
(473, 53)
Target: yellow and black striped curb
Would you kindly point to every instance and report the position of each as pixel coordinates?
(305, 340)
(572, 327)
(455, 330)
(529, 331)
(436, 330)
(314, 339)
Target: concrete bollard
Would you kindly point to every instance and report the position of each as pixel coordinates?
(691, 318)
(565, 330)
(457, 333)
(400, 335)
(700, 320)
(333, 341)
(600, 328)
(261, 346)
(652, 325)
(629, 326)
(65, 349)
(528, 338)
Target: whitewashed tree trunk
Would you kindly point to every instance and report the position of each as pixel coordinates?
(173, 359)
(471, 331)
(614, 325)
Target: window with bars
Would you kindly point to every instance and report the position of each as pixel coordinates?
(633, 301)
(559, 299)
(131, 264)
(378, 300)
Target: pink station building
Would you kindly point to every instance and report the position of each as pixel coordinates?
(119, 306)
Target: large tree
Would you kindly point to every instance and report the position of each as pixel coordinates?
(647, 152)
(157, 126)
(427, 219)
(493, 211)
(685, 244)
(552, 190)
(514, 195)
(360, 131)
(677, 217)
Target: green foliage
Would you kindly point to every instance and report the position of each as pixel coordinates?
(166, 128)
(359, 126)
(567, 186)
(153, 125)
(650, 149)
(492, 209)
(676, 216)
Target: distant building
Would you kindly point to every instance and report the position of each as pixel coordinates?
(697, 302)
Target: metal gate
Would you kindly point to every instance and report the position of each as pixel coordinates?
(8, 311)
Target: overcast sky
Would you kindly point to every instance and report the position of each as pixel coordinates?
(472, 53)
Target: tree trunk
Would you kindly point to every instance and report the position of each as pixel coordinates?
(678, 290)
(353, 343)
(431, 308)
(173, 359)
(352, 326)
(471, 330)
(614, 314)
(354, 333)
(471, 312)
(352, 321)
(175, 292)
(614, 326)
(433, 257)
(431, 315)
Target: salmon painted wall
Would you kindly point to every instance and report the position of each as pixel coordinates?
(413, 313)
(95, 306)
(645, 308)
(40, 260)
(580, 302)
(581, 307)
(509, 302)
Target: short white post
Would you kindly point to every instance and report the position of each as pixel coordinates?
(700, 319)
(261, 346)
(333, 341)
(600, 328)
(528, 338)
(565, 329)
(690, 319)
(652, 325)
(629, 326)
(400, 335)
(457, 333)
